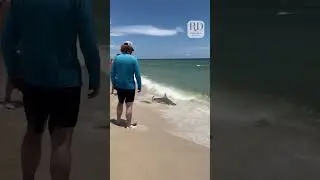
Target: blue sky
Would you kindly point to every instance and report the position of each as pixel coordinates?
(158, 28)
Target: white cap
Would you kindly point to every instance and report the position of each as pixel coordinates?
(129, 43)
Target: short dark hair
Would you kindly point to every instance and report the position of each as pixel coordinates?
(128, 45)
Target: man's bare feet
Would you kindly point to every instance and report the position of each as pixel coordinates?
(135, 124)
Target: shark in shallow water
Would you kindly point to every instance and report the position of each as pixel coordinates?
(163, 100)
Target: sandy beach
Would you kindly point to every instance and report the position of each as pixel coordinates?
(263, 138)
(149, 152)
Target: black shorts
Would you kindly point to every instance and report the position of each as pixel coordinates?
(15, 83)
(60, 107)
(126, 95)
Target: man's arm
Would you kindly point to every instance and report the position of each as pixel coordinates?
(137, 74)
(9, 42)
(113, 72)
(88, 42)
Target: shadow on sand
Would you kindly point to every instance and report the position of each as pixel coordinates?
(120, 123)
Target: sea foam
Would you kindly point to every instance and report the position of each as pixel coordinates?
(190, 118)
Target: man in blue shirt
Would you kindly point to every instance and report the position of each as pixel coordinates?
(47, 32)
(124, 68)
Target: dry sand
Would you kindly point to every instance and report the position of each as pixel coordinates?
(148, 152)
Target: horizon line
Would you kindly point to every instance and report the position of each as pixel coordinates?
(174, 58)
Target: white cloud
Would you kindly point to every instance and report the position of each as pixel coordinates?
(147, 30)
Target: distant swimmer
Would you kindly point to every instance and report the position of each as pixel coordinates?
(163, 100)
(124, 69)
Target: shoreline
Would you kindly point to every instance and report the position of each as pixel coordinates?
(186, 120)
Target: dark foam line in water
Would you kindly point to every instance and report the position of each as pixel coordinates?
(170, 91)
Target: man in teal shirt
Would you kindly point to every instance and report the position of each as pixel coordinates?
(47, 32)
(124, 69)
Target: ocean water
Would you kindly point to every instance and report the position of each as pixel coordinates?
(265, 66)
(260, 51)
(187, 83)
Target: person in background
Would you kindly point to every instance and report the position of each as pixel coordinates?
(12, 84)
(111, 62)
(124, 69)
(9, 87)
(51, 74)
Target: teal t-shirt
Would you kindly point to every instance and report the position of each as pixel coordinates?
(124, 69)
(47, 31)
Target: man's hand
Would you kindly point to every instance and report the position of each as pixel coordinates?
(93, 92)
(139, 90)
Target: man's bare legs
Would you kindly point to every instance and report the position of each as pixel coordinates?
(129, 113)
(60, 165)
(119, 111)
(61, 156)
(30, 153)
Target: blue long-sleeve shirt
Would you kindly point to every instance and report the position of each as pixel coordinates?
(47, 33)
(124, 68)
